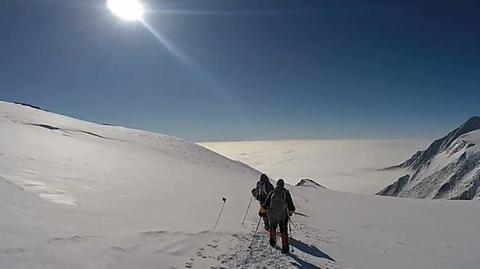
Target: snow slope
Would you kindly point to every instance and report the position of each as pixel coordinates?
(75, 194)
(448, 169)
(343, 165)
(87, 184)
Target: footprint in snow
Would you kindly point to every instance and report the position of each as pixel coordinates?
(10, 251)
(212, 246)
(69, 240)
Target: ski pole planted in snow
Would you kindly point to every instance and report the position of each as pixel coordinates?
(219, 215)
(290, 228)
(255, 233)
(248, 208)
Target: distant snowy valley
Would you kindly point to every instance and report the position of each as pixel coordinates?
(343, 165)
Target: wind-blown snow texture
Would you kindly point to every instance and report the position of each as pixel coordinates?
(448, 169)
(75, 194)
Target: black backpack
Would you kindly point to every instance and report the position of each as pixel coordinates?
(278, 205)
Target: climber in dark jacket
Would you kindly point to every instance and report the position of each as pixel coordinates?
(264, 187)
(280, 207)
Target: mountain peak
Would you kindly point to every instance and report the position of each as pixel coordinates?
(422, 157)
(309, 183)
(472, 124)
(451, 169)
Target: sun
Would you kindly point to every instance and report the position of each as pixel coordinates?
(129, 10)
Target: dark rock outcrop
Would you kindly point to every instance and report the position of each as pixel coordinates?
(309, 183)
(29, 105)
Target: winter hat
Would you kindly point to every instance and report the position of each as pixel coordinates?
(280, 183)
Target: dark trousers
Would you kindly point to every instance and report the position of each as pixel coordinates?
(283, 231)
(283, 226)
(266, 222)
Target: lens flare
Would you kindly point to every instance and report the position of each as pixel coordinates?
(129, 10)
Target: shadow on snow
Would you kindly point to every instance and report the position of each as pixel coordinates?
(309, 249)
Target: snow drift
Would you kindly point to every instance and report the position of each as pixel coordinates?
(448, 169)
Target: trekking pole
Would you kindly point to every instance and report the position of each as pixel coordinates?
(290, 228)
(255, 233)
(246, 213)
(219, 215)
(291, 221)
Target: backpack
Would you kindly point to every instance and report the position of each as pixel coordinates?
(260, 192)
(262, 188)
(278, 205)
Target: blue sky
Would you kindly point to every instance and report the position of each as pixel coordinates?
(269, 69)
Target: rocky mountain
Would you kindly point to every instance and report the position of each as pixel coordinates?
(309, 183)
(448, 169)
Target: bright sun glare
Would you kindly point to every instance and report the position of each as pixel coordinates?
(129, 10)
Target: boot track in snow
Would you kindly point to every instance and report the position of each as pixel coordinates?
(262, 255)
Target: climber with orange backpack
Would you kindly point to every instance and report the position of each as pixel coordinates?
(260, 192)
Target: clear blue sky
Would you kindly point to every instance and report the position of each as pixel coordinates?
(269, 69)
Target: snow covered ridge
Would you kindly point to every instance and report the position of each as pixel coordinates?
(448, 169)
(59, 158)
(28, 105)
